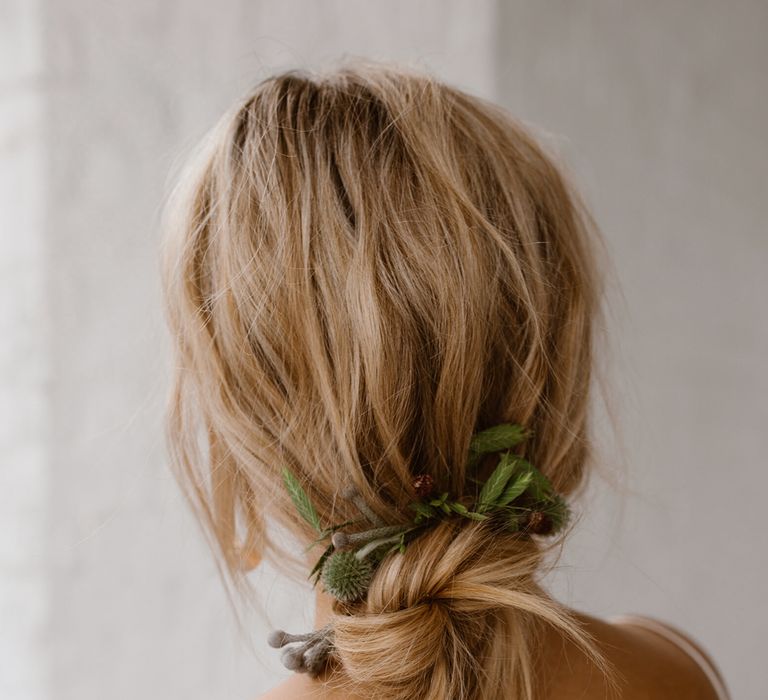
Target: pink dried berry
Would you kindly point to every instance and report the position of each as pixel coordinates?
(424, 485)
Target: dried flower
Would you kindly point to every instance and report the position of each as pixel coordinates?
(424, 485)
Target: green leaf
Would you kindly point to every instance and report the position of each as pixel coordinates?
(558, 510)
(301, 500)
(461, 509)
(330, 530)
(401, 544)
(514, 488)
(316, 569)
(540, 487)
(398, 546)
(494, 439)
(472, 515)
(423, 509)
(497, 481)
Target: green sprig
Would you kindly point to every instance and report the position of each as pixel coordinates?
(301, 500)
(516, 492)
(494, 439)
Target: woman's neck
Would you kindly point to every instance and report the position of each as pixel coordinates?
(323, 608)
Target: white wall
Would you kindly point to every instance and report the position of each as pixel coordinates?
(23, 401)
(661, 108)
(656, 107)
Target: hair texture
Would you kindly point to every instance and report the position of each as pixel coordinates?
(362, 268)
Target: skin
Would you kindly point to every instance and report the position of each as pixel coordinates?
(652, 667)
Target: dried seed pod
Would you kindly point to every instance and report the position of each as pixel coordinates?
(538, 523)
(424, 485)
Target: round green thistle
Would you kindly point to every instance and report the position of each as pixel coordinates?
(345, 576)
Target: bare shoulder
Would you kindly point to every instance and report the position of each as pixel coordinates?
(292, 688)
(301, 687)
(655, 659)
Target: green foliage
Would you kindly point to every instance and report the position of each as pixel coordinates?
(514, 488)
(513, 519)
(301, 500)
(559, 512)
(540, 487)
(494, 439)
(400, 545)
(515, 492)
(496, 483)
(426, 510)
(463, 510)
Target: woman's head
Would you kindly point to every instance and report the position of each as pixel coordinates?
(363, 269)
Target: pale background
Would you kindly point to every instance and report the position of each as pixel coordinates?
(107, 589)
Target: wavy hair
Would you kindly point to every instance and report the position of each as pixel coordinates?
(361, 269)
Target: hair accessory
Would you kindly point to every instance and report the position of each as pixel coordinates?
(516, 494)
(311, 652)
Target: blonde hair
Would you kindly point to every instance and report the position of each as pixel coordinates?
(362, 268)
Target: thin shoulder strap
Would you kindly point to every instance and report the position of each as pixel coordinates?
(686, 644)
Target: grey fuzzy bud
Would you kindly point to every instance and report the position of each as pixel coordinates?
(316, 657)
(340, 540)
(293, 659)
(311, 653)
(350, 493)
(277, 639)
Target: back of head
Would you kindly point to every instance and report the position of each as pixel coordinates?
(364, 268)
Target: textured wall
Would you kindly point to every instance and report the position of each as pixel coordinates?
(23, 401)
(657, 108)
(661, 109)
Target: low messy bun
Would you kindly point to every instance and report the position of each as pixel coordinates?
(452, 617)
(363, 269)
